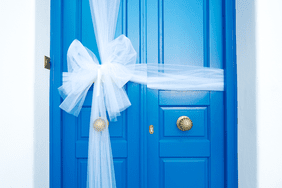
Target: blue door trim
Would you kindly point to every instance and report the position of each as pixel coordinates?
(55, 100)
(231, 162)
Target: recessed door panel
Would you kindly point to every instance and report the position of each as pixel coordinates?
(198, 116)
(173, 152)
(183, 28)
(184, 173)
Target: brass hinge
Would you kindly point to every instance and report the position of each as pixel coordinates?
(47, 62)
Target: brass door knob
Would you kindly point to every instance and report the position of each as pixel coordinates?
(100, 124)
(184, 123)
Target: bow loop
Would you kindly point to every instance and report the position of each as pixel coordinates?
(80, 57)
(79, 78)
(122, 57)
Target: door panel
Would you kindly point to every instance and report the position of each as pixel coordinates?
(78, 25)
(198, 114)
(183, 31)
(188, 32)
(185, 172)
(193, 158)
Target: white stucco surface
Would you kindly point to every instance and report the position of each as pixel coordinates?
(247, 93)
(269, 93)
(259, 62)
(24, 96)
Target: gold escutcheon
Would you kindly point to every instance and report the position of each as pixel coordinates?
(151, 129)
(184, 123)
(100, 124)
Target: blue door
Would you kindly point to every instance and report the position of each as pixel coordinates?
(162, 156)
(181, 32)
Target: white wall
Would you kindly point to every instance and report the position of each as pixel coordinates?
(247, 91)
(24, 96)
(259, 50)
(269, 92)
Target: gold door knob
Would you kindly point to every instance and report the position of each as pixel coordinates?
(184, 123)
(100, 124)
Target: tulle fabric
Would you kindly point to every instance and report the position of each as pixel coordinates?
(118, 66)
(84, 70)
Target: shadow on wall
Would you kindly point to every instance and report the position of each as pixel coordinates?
(41, 94)
(246, 72)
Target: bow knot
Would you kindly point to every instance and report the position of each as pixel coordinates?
(99, 78)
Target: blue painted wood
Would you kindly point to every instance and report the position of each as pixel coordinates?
(216, 33)
(185, 172)
(164, 107)
(196, 32)
(153, 173)
(180, 147)
(206, 37)
(216, 129)
(183, 31)
(184, 97)
(143, 105)
(198, 114)
(208, 146)
(55, 99)
(231, 164)
(77, 21)
(70, 162)
(134, 112)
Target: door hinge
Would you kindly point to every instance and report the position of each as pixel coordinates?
(46, 62)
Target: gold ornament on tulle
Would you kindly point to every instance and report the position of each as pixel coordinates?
(100, 124)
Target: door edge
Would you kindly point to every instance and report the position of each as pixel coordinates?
(230, 97)
(55, 149)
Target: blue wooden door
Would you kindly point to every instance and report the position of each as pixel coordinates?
(188, 32)
(183, 31)
(124, 133)
(185, 159)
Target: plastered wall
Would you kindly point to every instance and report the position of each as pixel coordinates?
(259, 63)
(24, 94)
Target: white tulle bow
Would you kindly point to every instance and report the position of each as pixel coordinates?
(84, 70)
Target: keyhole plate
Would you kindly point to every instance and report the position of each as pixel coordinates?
(151, 129)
